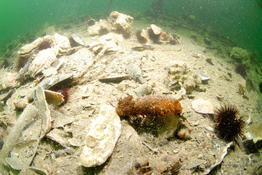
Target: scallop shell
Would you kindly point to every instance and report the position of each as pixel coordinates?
(202, 106)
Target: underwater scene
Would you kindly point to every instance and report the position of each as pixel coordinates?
(141, 87)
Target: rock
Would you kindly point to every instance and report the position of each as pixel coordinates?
(102, 135)
(202, 106)
(121, 23)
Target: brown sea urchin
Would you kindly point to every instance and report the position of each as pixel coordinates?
(228, 124)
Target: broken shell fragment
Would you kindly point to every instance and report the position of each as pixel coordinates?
(54, 98)
(204, 78)
(202, 106)
(102, 135)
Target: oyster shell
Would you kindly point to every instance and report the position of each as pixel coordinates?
(42, 61)
(101, 137)
(121, 23)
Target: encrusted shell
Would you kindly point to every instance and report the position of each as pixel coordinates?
(101, 137)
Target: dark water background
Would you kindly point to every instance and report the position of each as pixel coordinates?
(238, 20)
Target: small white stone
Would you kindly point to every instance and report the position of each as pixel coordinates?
(202, 106)
(101, 137)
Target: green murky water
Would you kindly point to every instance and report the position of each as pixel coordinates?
(237, 20)
(235, 23)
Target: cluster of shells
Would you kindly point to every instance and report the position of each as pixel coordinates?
(155, 34)
(181, 77)
(51, 59)
(117, 22)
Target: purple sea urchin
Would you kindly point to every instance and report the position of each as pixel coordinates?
(228, 124)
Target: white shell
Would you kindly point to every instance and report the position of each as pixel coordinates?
(202, 106)
(42, 61)
(156, 30)
(121, 22)
(101, 137)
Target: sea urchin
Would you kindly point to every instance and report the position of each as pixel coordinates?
(228, 124)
